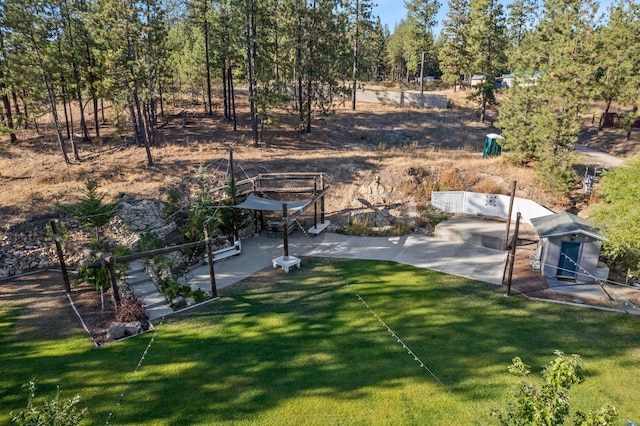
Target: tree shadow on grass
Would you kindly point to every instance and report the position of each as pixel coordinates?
(306, 335)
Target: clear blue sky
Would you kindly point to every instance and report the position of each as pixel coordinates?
(393, 11)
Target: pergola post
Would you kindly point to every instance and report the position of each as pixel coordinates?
(322, 199)
(285, 231)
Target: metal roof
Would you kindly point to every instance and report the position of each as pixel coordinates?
(564, 223)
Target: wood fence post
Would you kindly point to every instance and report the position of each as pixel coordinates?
(513, 194)
(110, 262)
(512, 254)
(63, 266)
(212, 276)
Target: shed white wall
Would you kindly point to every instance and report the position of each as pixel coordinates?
(476, 203)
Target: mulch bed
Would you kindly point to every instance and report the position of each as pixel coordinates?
(49, 314)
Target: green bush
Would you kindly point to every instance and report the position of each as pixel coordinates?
(149, 241)
(91, 211)
(549, 405)
(56, 412)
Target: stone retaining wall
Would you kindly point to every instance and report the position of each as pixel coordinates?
(25, 247)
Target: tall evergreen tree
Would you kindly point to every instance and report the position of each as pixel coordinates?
(540, 119)
(359, 13)
(421, 17)
(399, 50)
(453, 55)
(486, 47)
(617, 66)
(32, 28)
(521, 19)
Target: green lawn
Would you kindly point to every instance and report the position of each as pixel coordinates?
(306, 350)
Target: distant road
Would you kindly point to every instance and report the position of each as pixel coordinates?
(603, 159)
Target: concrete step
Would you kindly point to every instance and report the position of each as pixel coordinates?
(154, 302)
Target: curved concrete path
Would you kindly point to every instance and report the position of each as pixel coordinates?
(465, 260)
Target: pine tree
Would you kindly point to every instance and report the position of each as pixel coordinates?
(32, 29)
(421, 16)
(359, 19)
(486, 47)
(553, 69)
(398, 50)
(453, 55)
(618, 70)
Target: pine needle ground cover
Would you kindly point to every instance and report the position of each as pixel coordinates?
(340, 342)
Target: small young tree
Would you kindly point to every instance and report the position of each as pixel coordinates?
(56, 412)
(201, 209)
(91, 210)
(549, 404)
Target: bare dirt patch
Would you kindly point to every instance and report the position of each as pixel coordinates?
(46, 312)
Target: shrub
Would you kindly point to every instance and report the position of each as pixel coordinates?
(549, 405)
(56, 412)
(91, 211)
(149, 241)
(173, 204)
(131, 309)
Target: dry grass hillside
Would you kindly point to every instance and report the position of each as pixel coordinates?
(390, 155)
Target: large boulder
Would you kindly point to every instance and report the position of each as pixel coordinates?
(132, 328)
(116, 331)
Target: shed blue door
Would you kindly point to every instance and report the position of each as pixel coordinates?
(569, 254)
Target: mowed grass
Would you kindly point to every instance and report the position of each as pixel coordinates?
(302, 348)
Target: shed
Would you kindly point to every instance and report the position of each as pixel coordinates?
(569, 247)
(477, 79)
(491, 145)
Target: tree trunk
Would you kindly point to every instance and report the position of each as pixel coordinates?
(16, 105)
(96, 123)
(7, 108)
(134, 124)
(233, 100)
(64, 108)
(72, 141)
(252, 107)
(56, 121)
(355, 57)
(142, 128)
(161, 100)
(604, 114)
(206, 52)
(298, 68)
(225, 100)
(309, 105)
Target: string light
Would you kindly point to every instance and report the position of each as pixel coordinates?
(131, 377)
